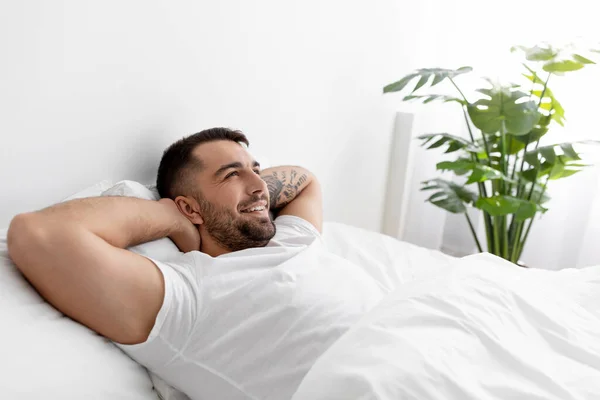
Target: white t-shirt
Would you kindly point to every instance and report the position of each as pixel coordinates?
(250, 324)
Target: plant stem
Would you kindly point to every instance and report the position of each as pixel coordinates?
(544, 89)
(538, 140)
(473, 232)
(511, 234)
(513, 222)
(459, 91)
(505, 238)
(468, 125)
(503, 159)
(522, 244)
(487, 218)
(488, 230)
(487, 152)
(497, 250)
(514, 169)
(504, 188)
(508, 170)
(518, 244)
(533, 82)
(481, 185)
(508, 156)
(523, 164)
(467, 121)
(537, 143)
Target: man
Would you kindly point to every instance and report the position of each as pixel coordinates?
(246, 310)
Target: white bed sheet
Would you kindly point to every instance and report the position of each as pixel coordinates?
(388, 260)
(483, 329)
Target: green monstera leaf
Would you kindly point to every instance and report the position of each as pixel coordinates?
(436, 75)
(454, 143)
(555, 60)
(537, 53)
(498, 206)
(428, 98)
(556, 160)
(504, 107)
(479, 172)
(552, 106)
(449, 195)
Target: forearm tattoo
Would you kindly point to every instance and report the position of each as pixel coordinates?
(284, 185)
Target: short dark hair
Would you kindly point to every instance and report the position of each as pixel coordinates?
(177, 161)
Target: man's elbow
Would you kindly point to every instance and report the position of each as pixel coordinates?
(23, 233)
(311, 178)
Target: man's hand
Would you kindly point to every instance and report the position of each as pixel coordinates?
(294, 191)
(186, 237)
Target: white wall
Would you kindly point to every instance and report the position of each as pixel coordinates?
(92, 90)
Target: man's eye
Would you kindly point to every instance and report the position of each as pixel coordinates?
(229, 175)
(257, 171)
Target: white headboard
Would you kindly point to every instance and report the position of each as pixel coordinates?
(406, 214)
(399, 179)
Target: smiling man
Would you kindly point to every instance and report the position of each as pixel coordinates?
(219, 187)
(247, 308)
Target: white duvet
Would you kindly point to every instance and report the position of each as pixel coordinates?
(480, 328)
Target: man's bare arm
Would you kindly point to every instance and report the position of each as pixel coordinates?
(294, 191)
(73, 254)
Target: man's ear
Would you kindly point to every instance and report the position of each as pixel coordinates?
(189, 207)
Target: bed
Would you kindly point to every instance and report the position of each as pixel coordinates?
(466, 328)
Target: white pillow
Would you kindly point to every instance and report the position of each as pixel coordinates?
(131, 189)
(91, 191)
(44, 354)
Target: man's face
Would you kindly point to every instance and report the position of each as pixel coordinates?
(234, 201)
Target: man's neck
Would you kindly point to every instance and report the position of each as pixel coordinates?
(210, 247)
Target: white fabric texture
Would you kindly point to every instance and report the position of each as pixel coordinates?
(485, 329)
(91, 191)
(46, 355)
(390, 261)
(250, 324)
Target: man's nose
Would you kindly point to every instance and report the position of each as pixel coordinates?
(256, 185)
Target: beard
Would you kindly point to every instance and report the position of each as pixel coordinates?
(233, 231)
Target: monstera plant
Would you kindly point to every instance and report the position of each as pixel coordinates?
(501, 169)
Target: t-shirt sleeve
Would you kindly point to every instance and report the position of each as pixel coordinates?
(176, 318)
(292, 230)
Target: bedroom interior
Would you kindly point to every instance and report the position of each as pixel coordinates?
(93, 92)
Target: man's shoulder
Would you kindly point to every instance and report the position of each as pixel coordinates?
(293, 230)
(181, 263)
(297, 223)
